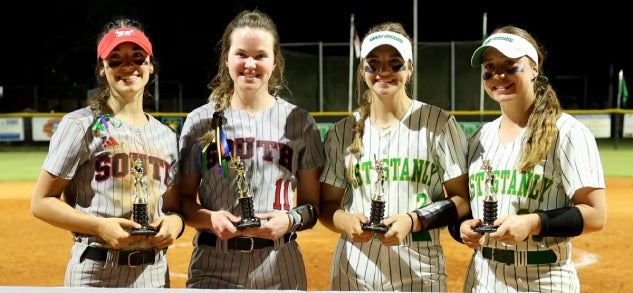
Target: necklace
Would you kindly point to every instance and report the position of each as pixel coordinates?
(391, 120)
(381, 126)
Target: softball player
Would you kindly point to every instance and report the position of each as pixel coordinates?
(548, 177)
(422, 150)
(96, 156)
(280, 149)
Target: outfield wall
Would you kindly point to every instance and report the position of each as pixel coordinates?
(39, 127)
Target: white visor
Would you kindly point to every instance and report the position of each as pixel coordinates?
(510, 45)
(396, 40)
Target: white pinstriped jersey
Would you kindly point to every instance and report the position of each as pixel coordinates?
(572, 163)
(273, 145)
(425, 149)
(101, 185)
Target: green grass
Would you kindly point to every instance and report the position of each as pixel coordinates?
(21, 165)
(616, 160)
(24, 164)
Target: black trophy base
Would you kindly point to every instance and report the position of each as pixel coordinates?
(144, 231)
(486, 229)
(376, 228)
(249, 223)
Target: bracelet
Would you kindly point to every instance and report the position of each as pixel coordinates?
(411, 217)
(182, 229)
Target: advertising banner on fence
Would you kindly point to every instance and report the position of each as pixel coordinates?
(599, 124)
(12, 129)
(44, 127)
(627, 130)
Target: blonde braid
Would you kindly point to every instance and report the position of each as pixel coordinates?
(356, 148)
(542, 126)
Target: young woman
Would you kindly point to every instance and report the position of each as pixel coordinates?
(397, 155)
(547, 177)
(251, 165)
(116, 167)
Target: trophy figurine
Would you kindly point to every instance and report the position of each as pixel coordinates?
(246, 198)
(140, 211)
(378, 201)
(490, 201)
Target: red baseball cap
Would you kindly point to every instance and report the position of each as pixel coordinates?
(121, 35)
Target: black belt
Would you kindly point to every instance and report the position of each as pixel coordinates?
(131, 258)
(512, 257)
(243, 243)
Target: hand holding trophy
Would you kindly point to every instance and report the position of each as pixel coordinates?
(246, 198)
(378, 201)
(490, 201)
(139, 210)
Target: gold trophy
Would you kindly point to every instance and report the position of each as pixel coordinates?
(490, 201)
(139, 210)
(378, 201)
(246, 198)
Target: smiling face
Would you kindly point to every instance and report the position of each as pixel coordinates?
(251, 59)
(506, 78)
(127, 69)
(385, 71)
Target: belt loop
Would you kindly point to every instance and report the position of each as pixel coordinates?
(111, 258)
(279, 242)
(520, 258)
(223, 245)
(406, 241)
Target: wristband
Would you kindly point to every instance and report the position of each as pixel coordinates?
(182, 229)
(561, 222)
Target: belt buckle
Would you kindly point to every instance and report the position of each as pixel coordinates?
(252, 244)
(129, 258)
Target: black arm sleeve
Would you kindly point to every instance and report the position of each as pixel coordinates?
(437, 214)
(453, 228)
(561, 222)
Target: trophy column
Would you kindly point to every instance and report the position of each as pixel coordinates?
(246, 198)
(490, 201)
(378, 201)
(139, 209)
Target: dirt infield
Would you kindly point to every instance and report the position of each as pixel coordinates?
(34, 253)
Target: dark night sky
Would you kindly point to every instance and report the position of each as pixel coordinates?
(53, 42)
